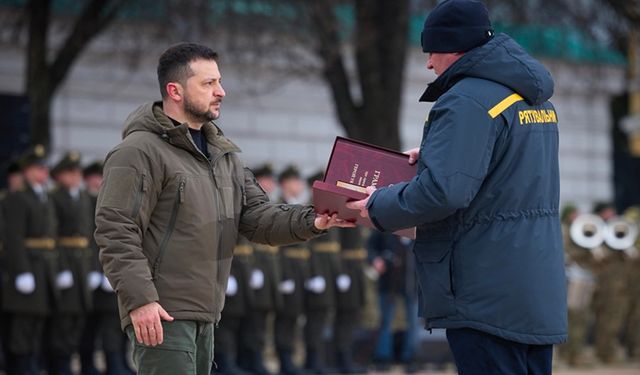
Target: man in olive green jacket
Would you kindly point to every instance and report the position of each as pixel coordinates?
(174, 198)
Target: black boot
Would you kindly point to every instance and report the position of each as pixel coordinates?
(256, 365)
(286, 363)
(226, 366)
(116, 364)
(61, 365)
(19, 364)
(87, 367)
(346, 365)
(314, 363)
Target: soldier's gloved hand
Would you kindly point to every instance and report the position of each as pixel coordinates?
(25, 283)
(94, 278)
(316, 284)
(343, 282)
(64, 280)
(106, 285)
(232, 286)
(257, 279)
(287, 286)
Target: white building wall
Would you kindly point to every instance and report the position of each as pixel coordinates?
(294, 122)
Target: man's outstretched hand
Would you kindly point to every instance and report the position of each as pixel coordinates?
(325, 221)
(147, 325)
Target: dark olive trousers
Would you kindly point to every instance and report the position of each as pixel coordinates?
(187, 349)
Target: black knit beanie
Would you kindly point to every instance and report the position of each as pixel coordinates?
(456, 26)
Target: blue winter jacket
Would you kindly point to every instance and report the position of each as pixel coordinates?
(485, 199)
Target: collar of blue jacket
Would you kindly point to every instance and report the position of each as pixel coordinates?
(501, 60)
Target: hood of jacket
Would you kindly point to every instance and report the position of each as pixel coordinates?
(151, 118)
(501, 60)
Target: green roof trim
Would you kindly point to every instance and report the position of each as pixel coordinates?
(542, 41)
(545, 42)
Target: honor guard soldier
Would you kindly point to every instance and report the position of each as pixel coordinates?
(350, 286)
(632, 342)
(581, 255)
(15, 182)
(267, 299)
(75, 281)
(324, 267)
(31, 263)
(231, 333)
(610, 302)
(294, 263)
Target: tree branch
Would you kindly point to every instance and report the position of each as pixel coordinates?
(95, 17)
(328, 48)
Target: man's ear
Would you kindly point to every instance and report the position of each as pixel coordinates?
(174, 91)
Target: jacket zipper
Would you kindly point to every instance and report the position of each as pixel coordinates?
(137, 203)
(172, 223)
(212, 163)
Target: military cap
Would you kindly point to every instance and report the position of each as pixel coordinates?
(93, 168)
(318, 176)
(264, 170)
(34, 155)
(70, 161)
(13, 167)
(601, 206)
(289, 172)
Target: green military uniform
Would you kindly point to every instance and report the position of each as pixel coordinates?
(230, 337)
(580, 263)
(266, 301)
(30, 230)
(633, 281)
(320, 300)
(610, 303)
(294, 264)
(351, 297)
(76, 259)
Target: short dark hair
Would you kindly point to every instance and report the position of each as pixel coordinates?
(173, 65)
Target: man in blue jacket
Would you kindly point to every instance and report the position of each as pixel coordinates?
(485, 198)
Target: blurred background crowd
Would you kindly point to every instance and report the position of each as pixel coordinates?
(296, 75)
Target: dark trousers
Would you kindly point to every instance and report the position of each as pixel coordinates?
(345, 324)
(480, 353)
(314, 328)
(284, 332)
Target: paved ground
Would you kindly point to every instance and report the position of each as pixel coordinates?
(610, 370)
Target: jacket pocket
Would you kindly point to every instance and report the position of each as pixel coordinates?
(137, 201)
(178, 200)
(434, 271)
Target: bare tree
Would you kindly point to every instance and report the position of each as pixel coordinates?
(380, 47)
(45, 74)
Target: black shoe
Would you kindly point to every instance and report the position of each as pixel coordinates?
(226, 366)
(87, 366)
(314, 364)
(346, 365)
(286, 363)
(256, 365)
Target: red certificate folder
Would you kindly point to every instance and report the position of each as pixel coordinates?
(352, 167)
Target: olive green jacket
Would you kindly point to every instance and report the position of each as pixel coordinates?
(168, 217)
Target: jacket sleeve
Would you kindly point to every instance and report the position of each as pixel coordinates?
(271, 223)
(456, 152)
(125, 202)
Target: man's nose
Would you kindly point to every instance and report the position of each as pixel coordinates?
(220, 92)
